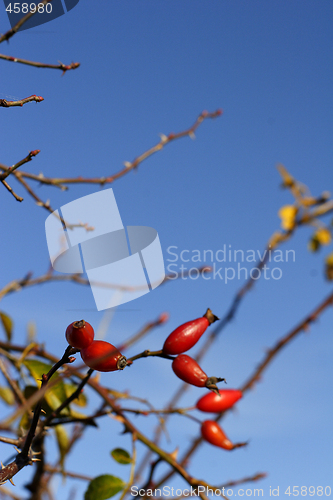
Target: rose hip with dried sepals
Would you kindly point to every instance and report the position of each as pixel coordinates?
(79, 334)
(103, 356)
(188, 370)
(187, 335)
(213, 434)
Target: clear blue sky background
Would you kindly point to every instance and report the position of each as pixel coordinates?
(148, 68)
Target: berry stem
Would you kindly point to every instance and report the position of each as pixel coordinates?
(147, 353)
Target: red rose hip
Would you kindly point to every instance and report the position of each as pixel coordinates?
(187, 335)
(213, 434)
(79, 334)
(188, 370)
(222, 401)
(103, 356)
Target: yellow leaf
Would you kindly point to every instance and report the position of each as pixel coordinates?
(324, 236)
(6, 394)
(288, 224)
(288, 212)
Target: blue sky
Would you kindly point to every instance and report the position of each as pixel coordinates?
(149, 68)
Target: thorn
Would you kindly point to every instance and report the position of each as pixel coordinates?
(36, 452)
(2, 465)
(127, 164)
(174, 454)
(12, 482)
(43, 411)
(192, 135)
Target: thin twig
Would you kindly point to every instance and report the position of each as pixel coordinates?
(59, 470)
(128, 165)
(67, 401)
(147, 353)
(133, 463)
(143, 332)
(16, 196)
(9, 104)
(17, 285)
(282, 342)
(61, 66)
(18, 164)
(13, 384)
(249, 479)
(20, 23)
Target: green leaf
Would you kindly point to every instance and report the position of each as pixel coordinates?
(121, 456)
(104, 487)
(37, 368)
(54, 396)
(63, 442)
(29, 391)
(6, 394)
(7, 323)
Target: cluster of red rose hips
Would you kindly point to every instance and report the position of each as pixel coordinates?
(105, 357)
(97, 354)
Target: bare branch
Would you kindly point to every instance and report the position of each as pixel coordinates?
(61, 66)
(29, 157)
(128, 165)
(59, 470)
(17, 285)
(144, 331)
(249, 479)
(20, 23)
(12, 383)
(9, 104)
(16, 196)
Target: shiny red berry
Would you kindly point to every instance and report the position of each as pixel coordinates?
(187, 335)
(222, 401)
(79, 334)
(102, 356)
(188, 370)
(212, 432)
